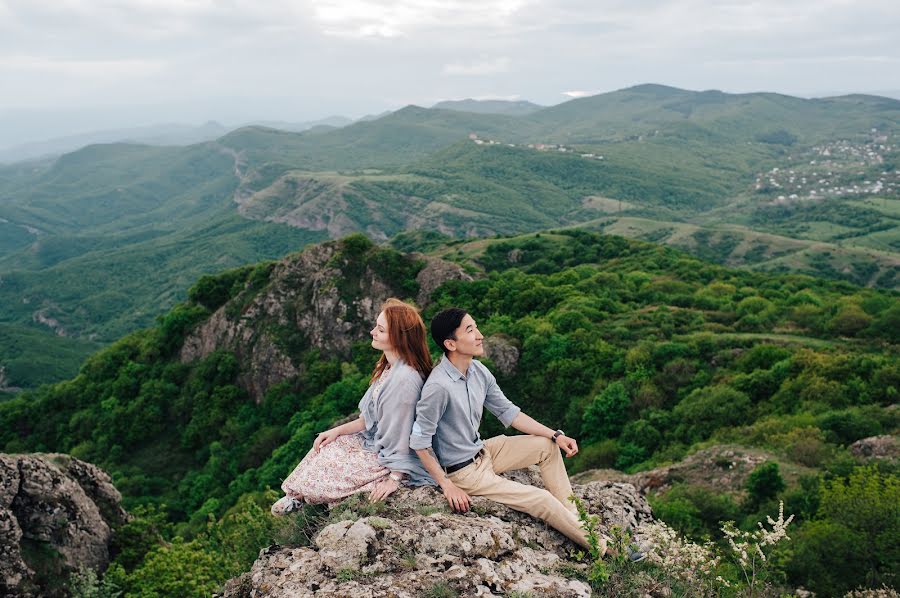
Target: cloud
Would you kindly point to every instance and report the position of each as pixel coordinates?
(82, 68)
(303, 59)
(395, 18)
(479, 68)
(806, 60)
(580, 94)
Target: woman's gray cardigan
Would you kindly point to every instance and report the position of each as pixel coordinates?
(389, 423)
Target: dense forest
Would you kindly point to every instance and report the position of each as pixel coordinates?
(644, 353)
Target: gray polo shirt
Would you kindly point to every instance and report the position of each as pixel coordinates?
(449, 411)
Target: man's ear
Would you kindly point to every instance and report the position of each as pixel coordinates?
(450, 344)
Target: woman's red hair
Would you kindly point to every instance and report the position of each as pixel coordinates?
(406, 333)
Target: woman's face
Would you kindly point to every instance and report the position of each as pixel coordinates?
(379, 334)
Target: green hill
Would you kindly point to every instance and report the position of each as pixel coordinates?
(105, 239)
(717, 116)
(643, 353)
(35, 356)
(401, 137)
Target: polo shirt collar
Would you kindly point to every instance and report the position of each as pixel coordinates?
(450, 369)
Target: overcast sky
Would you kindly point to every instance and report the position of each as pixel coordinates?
(68, 66)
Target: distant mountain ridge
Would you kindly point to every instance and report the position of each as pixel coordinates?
(161, 134)
(508, 107)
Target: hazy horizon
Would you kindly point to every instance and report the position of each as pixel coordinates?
(22, 127)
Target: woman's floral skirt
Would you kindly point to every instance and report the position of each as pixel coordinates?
(338, 470)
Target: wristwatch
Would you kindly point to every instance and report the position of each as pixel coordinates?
(556, 435)
(395, 477)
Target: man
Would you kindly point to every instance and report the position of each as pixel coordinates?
(445, 435)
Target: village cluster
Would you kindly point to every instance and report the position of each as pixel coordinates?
(541, 147)
(835, 169)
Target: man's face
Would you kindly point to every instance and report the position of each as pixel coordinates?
(468, 338)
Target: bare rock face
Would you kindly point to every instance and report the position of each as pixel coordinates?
(723, 468)
(416, 543)
(877, 447)
(311, 301)
(59, 504)
(13, 570)
(435, 273)
(500, 350)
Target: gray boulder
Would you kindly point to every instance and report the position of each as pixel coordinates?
(877, 447)
(63, 509)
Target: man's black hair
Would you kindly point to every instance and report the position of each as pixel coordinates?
(445, 324)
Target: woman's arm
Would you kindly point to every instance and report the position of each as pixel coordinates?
(329, 436)
(357, 425)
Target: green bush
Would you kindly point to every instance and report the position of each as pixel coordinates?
(855, 539)
(606, 414)
(850, 320)
(695, 510)
(708, 409)
(643, 434)
(764, 483)
(213, 291)
(849, 425)
(599, 455)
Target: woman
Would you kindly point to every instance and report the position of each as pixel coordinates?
(371, 453)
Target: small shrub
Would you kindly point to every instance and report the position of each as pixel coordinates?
(346, 574)
(764, 483)
(441, 590)
(805, 446)
(597, 573)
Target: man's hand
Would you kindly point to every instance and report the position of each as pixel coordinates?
(325, 438)
(568, 445)
(459, 500)
(383, 489)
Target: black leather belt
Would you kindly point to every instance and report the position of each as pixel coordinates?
(465, 463)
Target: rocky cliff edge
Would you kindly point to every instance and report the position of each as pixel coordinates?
(413, 544)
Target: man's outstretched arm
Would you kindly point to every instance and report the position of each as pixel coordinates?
(528, 425)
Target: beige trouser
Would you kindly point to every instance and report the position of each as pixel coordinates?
(504, 453)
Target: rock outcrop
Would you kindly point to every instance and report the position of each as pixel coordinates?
(310, 302)
(435, 273)
(722, 468)
(884, 447)
(60, 508)
(502, 352)
(415, 545)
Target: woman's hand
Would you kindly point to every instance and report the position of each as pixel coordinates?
(383, 489)
(325, 438)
